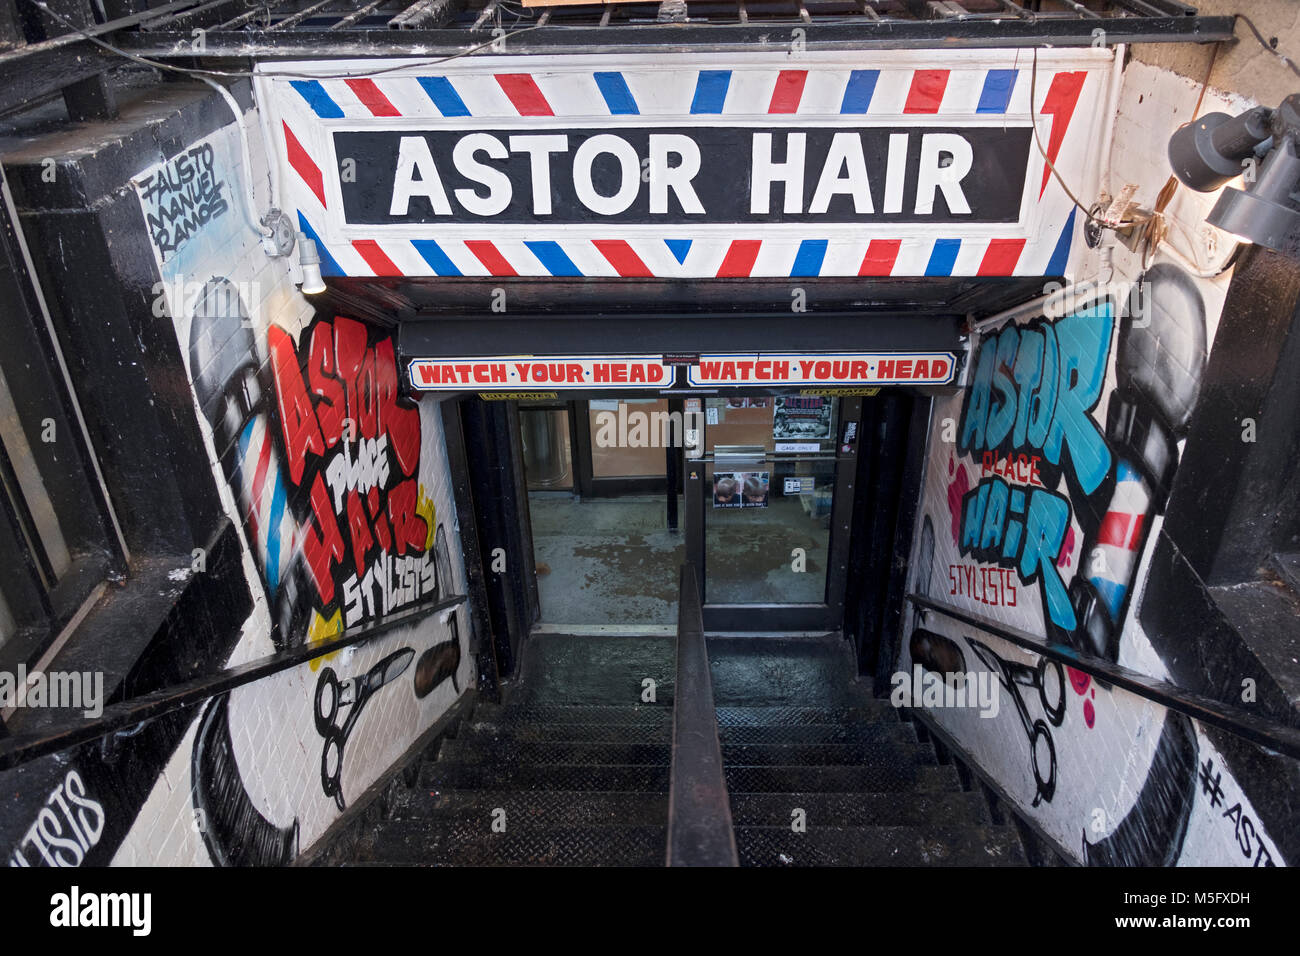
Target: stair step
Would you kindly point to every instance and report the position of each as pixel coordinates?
(508, 751)
(656, 733)
(542, 808)
(900, 778)
(806, 734)
(647, 714)
(745, 671)
(880, 846)
(492, 730)
(458, 843)
(565, 668)
(869, 712)
(858, 809)
(870, 754)
(456, 775)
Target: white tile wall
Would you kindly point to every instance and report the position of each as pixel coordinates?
(1103, 767)
(277, 747)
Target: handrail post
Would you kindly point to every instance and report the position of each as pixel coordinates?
(699, 811)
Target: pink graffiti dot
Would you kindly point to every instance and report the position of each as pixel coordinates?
(957, 489)
(1079, 681)
(1094, 693)
(1063, 559)
(1089, 714)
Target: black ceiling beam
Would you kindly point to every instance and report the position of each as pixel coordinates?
(695, 37)
(45, 73)
(429, 297)
(455, 337)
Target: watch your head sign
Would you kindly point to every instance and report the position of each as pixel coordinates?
(511, 373)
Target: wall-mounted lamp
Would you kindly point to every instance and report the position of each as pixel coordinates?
(1217, 148)
(309, 259)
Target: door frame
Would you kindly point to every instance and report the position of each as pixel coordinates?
(765, 617)
(825, 616)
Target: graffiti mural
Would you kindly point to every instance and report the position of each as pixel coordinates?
(182, 196)
(339, 514)
(324, 455)
(1052, 470)
(353, 694)
(234, 831)
(331, 476)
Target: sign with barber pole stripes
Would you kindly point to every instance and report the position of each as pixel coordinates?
(872, 163)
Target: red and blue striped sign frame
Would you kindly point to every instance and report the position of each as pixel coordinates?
(894, 89)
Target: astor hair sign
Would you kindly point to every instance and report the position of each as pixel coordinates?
(685, 166)
(646, 175)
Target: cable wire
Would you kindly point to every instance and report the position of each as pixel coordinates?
(1286, 60)
(1033, 122)
(199, 72)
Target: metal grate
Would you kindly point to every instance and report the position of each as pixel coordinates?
(270, 28)
(46, 45)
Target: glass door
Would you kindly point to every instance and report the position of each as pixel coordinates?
(603, 497)
(775, 482)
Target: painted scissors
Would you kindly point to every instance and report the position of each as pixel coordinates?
(353, 693)
(1014, 675)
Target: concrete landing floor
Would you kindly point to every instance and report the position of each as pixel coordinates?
(605, 560)
(612, 561)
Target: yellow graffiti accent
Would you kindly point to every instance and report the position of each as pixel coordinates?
(322, 630)
(426, 509)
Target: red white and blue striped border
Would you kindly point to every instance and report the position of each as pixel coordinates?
(310, 107)
(866, 92)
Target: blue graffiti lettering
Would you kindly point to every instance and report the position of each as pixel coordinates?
(1034, 388)
(1000, 525)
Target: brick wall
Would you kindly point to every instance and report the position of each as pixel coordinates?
(1044, 492)
(341, 495)
(271, 725)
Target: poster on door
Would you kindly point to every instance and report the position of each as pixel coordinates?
(807, 419)
(740, 489)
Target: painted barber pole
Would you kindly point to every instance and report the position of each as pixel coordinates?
(274, 533)
(1120, 538)
(685, 166)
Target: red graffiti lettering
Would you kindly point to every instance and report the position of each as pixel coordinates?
(298, 421)
(410, 530)
(322, 544)
(359, 529)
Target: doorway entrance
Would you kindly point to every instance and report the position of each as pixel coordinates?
(607, 543)
(771, 528)
(621, 491)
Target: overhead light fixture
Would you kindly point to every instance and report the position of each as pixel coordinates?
(309, 259)
(1217, 148)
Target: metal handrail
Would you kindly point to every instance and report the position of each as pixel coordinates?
(23, 748)
(699, 811)
(1269, 734)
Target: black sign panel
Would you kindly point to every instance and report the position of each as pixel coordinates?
(684, 175)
